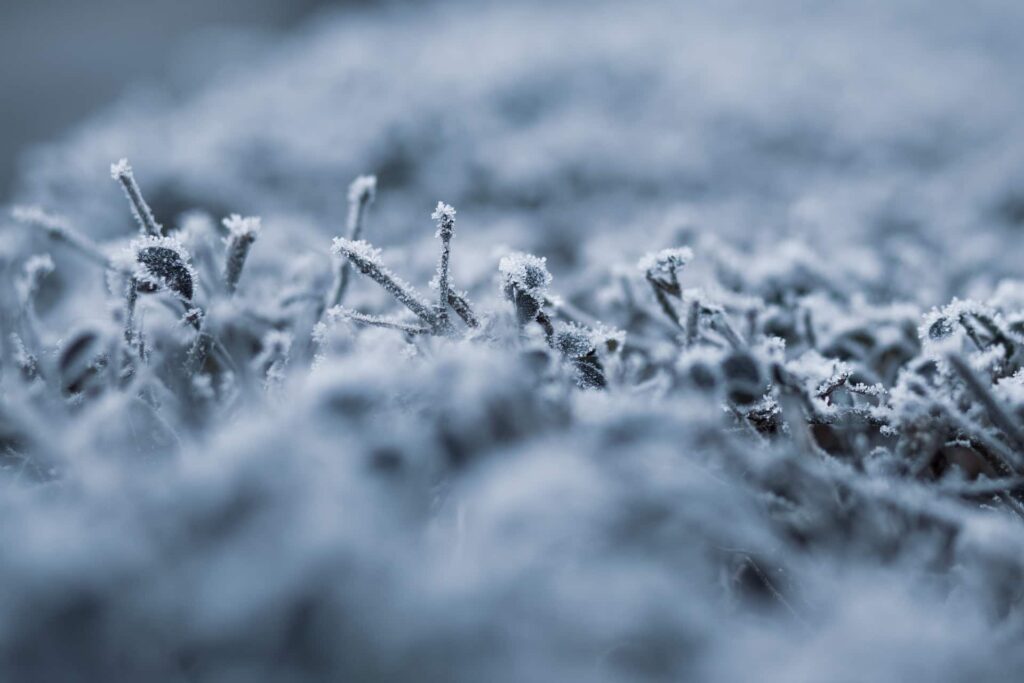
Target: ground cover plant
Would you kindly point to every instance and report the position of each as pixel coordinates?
(702, 374)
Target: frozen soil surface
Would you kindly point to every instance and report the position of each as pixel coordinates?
(726, 384)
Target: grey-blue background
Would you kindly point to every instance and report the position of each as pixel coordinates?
(64, 59)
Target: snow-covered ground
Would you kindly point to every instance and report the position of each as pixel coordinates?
(729, 386)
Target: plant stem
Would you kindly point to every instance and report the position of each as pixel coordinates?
(392, 284)
(122, 173)
(995, 411)
(361, 194)
(445, 217)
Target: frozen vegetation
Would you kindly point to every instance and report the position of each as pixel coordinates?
(715, 370)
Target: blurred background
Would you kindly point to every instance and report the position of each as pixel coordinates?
(556, 124)
(64, 59)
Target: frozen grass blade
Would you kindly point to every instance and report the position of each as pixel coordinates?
(59, 230)
(36, 268)
(445, 217)
(361, 194)
(367, 260)
(122, 173)
(201, 344)
(720, 323)
(661, 270)
(995, 411)
(339, 312)
(693, 322)
(576, 344)
(242, 233)
(460, 304)
(525, 281)
(131, 299)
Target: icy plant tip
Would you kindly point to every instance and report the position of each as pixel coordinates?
(445, 217)
(361, 192)
(242, 232)
(120, 169)
(242, 227)
(574, 341)
(359, 249)
(526, 273)
(665, 263)
(38, 266)
(444, 214)
(363, 189)
(661, 269)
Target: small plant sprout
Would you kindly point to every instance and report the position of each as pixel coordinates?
(445, 217)
(242, 232)
(434, 319)
(122, 173)
(525, 281)
(152, 264)
(661, 269)
(576, 344)
(361, 194)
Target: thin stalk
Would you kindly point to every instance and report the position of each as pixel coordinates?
(461, 306)
(59, 230)
(545, 322)
(366, 260)
(131, 299)
(376, 321)
(445, 217)
(721, 323)
(692, 323)
(122, 173)
(995, 411)
(666, 305)
(361, 194)
(242, 234)
(199, 351)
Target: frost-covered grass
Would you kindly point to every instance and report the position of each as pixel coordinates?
(712, 370)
